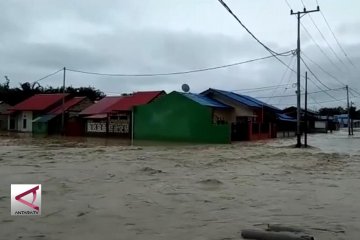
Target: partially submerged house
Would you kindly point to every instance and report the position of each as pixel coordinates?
(315, 123)
(51, 121)
(342, 120)
(4, 116)
(112, 116)
(285, 126)
(251, 119)
(183, 117)
(21, 116)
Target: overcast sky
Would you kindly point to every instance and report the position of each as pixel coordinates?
(150, 36)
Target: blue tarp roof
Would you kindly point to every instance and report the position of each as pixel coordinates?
(243, 99)
(205, 101)
(284, 117)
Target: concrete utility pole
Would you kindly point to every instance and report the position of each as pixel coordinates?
(63, 106)
(299, 16)
(348, 108)
(351, 121)
(306, 120)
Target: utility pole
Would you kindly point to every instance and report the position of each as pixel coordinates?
(306, 119)
(63, 105)
(351, 119)
(299, 16)
(348, 109)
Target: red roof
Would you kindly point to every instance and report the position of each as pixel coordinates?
(121, 103)
(38, 102)
(103, 106)
(138, 98)
(68, 104)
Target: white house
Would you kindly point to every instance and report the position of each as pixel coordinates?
(22, 115)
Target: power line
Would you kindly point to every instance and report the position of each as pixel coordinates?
(314, 41)
(314, 74)
(355, 91)
(262, 44)
(319, 47)
(49, 75)
(287, 2)
(172, 73)
(291, 95)
(285, 89)
(239, 21)
(323, 37)
(260, 89)
(322, 69)
(282, 78)
(317, 80)
(336, 39)
(337, 100)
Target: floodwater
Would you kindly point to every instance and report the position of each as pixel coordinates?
(96, 189)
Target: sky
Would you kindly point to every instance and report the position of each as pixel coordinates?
(39, 37)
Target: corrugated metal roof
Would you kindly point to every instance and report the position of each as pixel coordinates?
(103, 106)
(38, 102)
(68, 104)
(284, 117)
(44, 118)
(135, 99)
(243, 99)
(205, 101)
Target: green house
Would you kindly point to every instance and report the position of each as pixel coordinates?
(183, 117)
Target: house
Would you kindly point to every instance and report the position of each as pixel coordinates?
(96, 116)
(183, 117)
(285, 126)
(315, 123)
(3, 116)
(112, 116)
(251, 119)
(342, 120)
(21, 115)
(51, 121)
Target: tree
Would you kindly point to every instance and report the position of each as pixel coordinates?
(13, 96)
(332, 111)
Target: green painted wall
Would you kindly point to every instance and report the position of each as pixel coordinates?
(40, 128)
(174, 117)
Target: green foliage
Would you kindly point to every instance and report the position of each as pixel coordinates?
(15, 95)
(332, 111)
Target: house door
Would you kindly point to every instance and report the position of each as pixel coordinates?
(240, 129)
(12, 124)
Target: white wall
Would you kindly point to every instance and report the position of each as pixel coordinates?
(28, 115)
(320, 124)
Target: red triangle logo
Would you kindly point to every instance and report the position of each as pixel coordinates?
(33, 191)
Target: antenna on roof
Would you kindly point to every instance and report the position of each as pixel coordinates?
(185, 87)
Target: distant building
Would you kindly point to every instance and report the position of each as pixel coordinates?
(51, 121)
(183, 117)
(342, 120)
(4, 116)
(112, 116)
(251, 118)
(22, 115)
(312, 117)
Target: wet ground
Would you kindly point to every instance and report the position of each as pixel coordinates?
(96, 189)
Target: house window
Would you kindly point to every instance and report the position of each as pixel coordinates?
(12, 123)
(24, 123)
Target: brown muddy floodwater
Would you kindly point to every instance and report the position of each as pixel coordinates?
(93, 190)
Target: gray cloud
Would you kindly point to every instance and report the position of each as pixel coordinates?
(156, 36)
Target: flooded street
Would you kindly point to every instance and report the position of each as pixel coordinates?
(92, 190)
